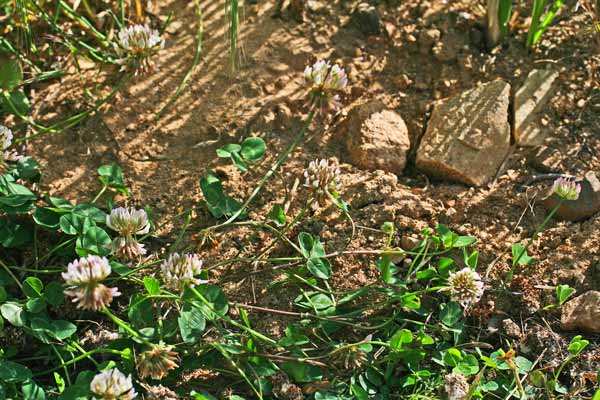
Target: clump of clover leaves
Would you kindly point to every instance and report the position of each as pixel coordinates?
(12, 98)
(242, 156)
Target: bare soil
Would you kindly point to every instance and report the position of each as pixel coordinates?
(164, 159)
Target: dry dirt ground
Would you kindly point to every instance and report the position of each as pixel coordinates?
(163, 160)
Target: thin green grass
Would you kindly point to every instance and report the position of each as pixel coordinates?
(232, 10)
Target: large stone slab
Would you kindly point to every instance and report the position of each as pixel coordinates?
(377, 138)
(584, 207)
(537, 89)
(582, 313)
(468, 136)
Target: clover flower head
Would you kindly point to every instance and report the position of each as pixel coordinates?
(128, 222)
(112, 384)
(566, 188)
(6, 137)
(325, 79)
(465, 287)
(138, 45)
(83, 279)
(317, 73)
(338, 79)
(456, 386)
(157, 362)
(180, 271)
(323, 178)
(350, 357)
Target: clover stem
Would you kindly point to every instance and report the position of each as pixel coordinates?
(230, 320)
(276, 165)
(118, 321)
(539, 229)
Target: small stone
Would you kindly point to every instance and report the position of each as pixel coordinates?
(315, 6)
(403, 81)
(390, 29)
(427, 39)
(468, 135)
(377, 138)
(408, 243)
(582, 313)
(269, 88)
(530, 99)
(366, 19)
(584, 207)
(511, 329)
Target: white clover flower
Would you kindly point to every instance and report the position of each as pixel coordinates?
(83, 279)
(323, 179)
(157, 362)
(325, 79)
(179, 271)
(337, 79)
(112, 384)
(315, 74)
(566, 189)
(456, 386)
(6, 137)
(128, 222)
(465, 287)
(138, 45)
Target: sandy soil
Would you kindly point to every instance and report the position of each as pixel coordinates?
(163, 160)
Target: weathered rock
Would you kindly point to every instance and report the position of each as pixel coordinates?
(529, 100)
(377, 138)
(510, 328)
(584, 207)
(582, 313)
(366, 19)
(468, 135)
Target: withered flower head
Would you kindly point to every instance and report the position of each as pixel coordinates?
(157, 362)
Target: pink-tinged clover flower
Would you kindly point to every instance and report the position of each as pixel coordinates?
(180, 271)
(84, 283)
(324, 80)
(138, 46)
(566, 188)
(112, 384)
(128, 222)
